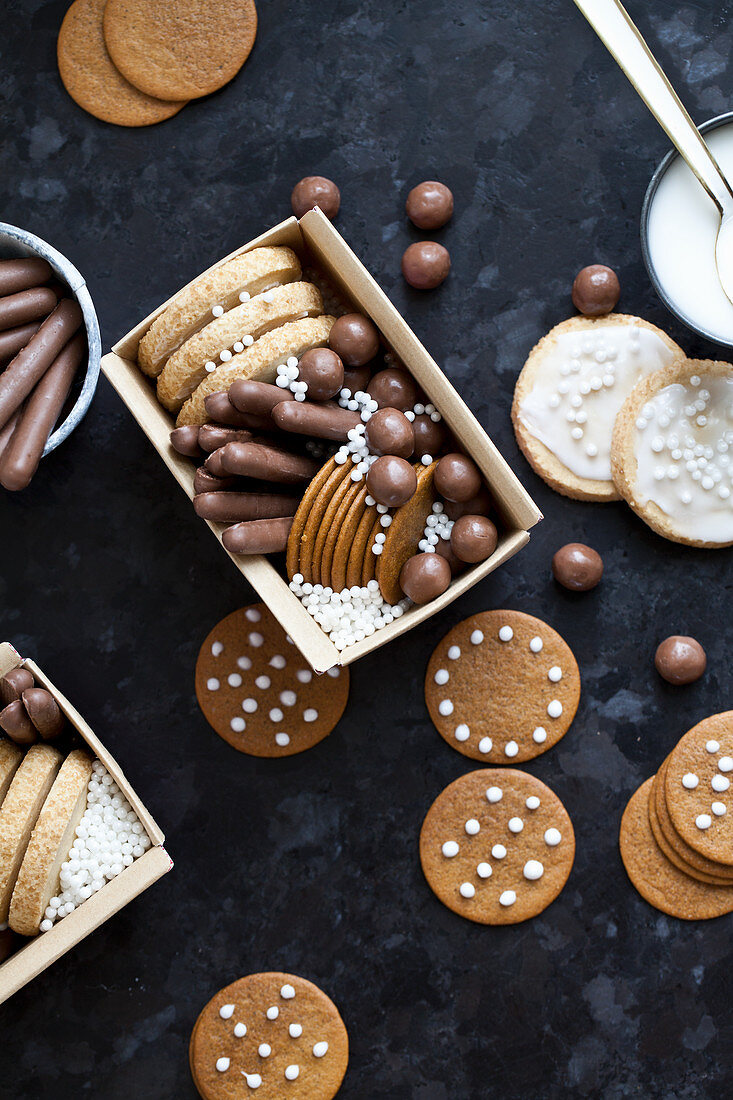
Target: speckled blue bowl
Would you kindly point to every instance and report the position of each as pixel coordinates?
(16, 243)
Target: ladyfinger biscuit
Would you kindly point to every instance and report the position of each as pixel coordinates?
(186, 368)
(92, 80)
(249, 273)
(50, 843)
(259, 362)
(19, 813)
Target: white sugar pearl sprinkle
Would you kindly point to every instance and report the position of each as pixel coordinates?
(253, 615)
(450, 849)
(288, 698)
(282, 739)
(249, 706)
(276, 715)
(238, 725)
(263, 682)
(256, 639)
(304, 675)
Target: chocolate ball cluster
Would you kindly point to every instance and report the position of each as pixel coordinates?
(29, 712)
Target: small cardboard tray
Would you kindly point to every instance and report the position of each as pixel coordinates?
(44, 949)
(317, 242)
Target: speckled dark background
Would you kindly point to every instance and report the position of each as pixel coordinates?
(107, 579)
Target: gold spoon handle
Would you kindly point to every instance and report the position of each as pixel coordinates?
(614, 27)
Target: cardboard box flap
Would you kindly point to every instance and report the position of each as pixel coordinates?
(9, 658)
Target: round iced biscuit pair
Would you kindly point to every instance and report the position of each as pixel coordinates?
(570, 391)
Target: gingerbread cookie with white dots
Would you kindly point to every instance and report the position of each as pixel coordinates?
(698, 788)
(257, 691)
(497, 846)
(274, 1034)
(502, 687)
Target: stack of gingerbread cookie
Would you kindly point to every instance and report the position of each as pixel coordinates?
(677, 830)
(133, 62)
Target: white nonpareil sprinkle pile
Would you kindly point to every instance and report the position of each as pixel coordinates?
(348, 616)
(109, 838)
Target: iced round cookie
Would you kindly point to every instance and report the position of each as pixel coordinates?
(672, 452)
(570, 390)
(658, 881)
(258, 693)
(697, 788)
(92, 80)
(502, 687)
(172, 45)
(497, 846)
(275, 1035)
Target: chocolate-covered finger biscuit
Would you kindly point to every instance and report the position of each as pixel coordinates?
(20, 459)
(6, 433)
(16, 723)
(308, 418)
(205, 482)
(43, 711)
(25, 306)
(13, 339)
(266, 463)
(32, 362)
(221, 410)
(213, 436)
(257, 397)
(185, 440)
(18, 275)
(234, 507)
(260, 536)
(13, 684)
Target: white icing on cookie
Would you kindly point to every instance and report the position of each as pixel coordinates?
(450, 849)
(287, 992)
(472, 826)
(532, 802)
(295, 1031)
(712, 746)
(494, 794)
(703, 821)
(515, 825)
(222, 1064)
(217, 649)
(580, 387)
(226, 1012)
(552, 837)
(485, 744)
(467, 890)
(533, 870)
(291, 1072)
(264, 1050)
(536, 644)
(719, 783)
(213, 684)
(484, 870)
(507, 897)
(506, 634)
(539, 735)
(273, 1012)
(690, 781)
(462, 732)
(498, 851)
(441, 677)
(240, 1030)
(320, 1049)
(683, 447)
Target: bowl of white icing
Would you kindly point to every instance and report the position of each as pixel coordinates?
(679, 227)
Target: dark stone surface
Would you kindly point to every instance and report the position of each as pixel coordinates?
(108, 580)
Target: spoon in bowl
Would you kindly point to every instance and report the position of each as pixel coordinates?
(622, 39)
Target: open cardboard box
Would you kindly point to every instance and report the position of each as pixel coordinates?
(318, 243)
(47, 947)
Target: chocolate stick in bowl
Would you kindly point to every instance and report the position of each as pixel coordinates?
(32, 361)
(18, 275)
(19, 461)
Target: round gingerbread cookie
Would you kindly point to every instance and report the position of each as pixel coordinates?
(570, 390)
(257, 691)
(671, 853)
(697, 788)
(670, 454)
(658, 881)
(276, 1034)
(687, 855)
(295, 538)
(176, 49)
(502, 687)
(497, 846)
(92, 80)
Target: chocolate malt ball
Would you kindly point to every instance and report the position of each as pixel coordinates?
(480, 505)
(430, 435)
(596, 290)
(425, 576)
(680, 659)
(394, 388)
(391, 481)
(43, 711)
(473, 538)
(577, 567)
(389, 432)
(15, 722)
(357, 379)
(355, 339)
(429, 205)
(457, 477)
(314, 191)
(425, 264)
(323, 372)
